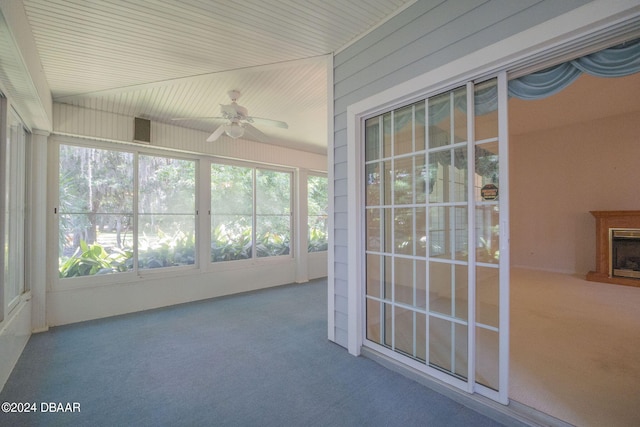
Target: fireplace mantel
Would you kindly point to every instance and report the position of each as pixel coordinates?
(604, 221)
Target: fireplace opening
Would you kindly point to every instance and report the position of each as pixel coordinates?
(625, 252)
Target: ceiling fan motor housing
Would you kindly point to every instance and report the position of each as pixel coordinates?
(234, 95)
(234, 111)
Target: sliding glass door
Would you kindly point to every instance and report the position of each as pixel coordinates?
(436, 293)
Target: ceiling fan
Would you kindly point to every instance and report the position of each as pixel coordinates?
(239, 121)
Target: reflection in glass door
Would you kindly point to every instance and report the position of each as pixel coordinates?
(433, 215)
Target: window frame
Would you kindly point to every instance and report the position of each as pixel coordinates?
(254, 259)
(320, 175)
(203, 264)
(136, 214)
(14, 209)
(128, 276)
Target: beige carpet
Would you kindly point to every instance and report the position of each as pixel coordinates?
(575, 348)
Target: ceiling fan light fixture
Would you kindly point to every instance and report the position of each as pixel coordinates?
(234, 130)
(237, 121)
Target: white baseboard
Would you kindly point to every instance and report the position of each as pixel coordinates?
(548, 270)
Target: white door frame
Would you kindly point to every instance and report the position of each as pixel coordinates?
(596, 25)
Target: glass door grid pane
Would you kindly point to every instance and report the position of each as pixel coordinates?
(418, 199)
(448, 234)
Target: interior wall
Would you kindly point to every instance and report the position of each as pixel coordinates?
(557, 177)
(69, 120)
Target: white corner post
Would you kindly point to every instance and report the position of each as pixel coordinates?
(37, 217)
(301, 254)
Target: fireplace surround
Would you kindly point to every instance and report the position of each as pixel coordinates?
(617, 248)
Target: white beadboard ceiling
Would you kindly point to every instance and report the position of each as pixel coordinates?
(161, 59)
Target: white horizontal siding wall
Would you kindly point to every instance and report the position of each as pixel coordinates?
(83, 122)
(425, 36)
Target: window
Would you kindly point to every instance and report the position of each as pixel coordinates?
(249, 205)
(14, 210)
(273, 213)
(231, 213)
(166, 212)
(433, 271)
(124, 212)
(96, 211)
(317, 202)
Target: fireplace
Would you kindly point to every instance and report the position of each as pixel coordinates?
(617, 248)
(625, 252)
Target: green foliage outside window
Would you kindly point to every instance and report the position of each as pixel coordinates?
(231, 212)
(88, 260)
(96, 211)
(317, 202)
(233, 192)
(273, 212)
(250, 212)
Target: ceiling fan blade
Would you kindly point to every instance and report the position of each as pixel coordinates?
(270, 122)
(253, 133)
(198, 118)
(216, 134)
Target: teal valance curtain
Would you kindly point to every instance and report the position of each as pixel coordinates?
(617, 61)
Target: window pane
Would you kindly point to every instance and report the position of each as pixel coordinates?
(420, 128)
(403, 181)
(14, 170)
(231, 212)
(166, 240)
(96, 211)
(403, 131)
(372, 139)
(386, 135)
(449, 291)
(273, 210)
(388, 278)
(373, 230)
(460, 175)
(387, 179)
(404, 273)
(487, 171)
(448, 348)
(488, 296)
(404, 331)
(448, 118)
(372, 195)
(166, 185)
(373, 321)
(422, 178)
(487, 357)
(166, 212)
(387, 227)
(488, 234)
(230, 237)
(439, 120)
(486, 109)
(403, 231)
(111, 250)
(374, 274)
(317, 203)
(448, 232)
(439, 176)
